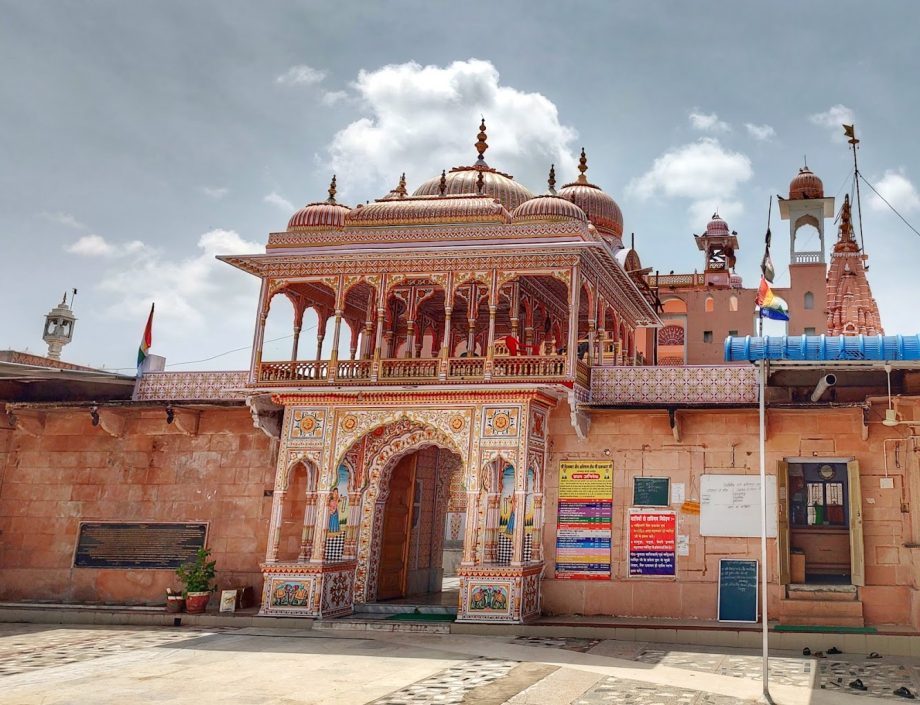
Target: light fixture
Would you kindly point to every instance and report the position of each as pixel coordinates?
(94, 414)
(170, 414)
(891, 416)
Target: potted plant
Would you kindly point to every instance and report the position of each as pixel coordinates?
(175, 601)
(197, 577)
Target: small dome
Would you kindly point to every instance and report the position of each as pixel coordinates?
(717, 226)
(600, 208)
(322, 215)
(544, 208)
(805, 185)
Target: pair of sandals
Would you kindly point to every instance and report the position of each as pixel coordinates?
(833, 651)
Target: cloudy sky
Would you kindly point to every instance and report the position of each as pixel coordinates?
(140, 139)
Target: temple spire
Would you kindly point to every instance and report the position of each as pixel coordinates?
(442, 184)
(401, 188)
(481, 144)
(582, 167)
(551, 181)
(332, 190)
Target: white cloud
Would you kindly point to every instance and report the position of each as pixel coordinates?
(98, 246)
(833, 118)
(422, 119)
(280, 201)
(65, 219)
(191, 294)
(331, 98)
(301, 75)
(760, 132)
(704, 172)
(216, 193)
(708, 123)
(898, 190)
(91, 246)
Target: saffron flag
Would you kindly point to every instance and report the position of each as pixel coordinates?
(771, 306)
(146, 340)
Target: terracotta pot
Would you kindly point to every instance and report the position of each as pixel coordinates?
(174, 603)
(196, 602)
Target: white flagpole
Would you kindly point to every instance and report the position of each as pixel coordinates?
(763, 521)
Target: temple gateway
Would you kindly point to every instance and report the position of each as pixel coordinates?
(503, 410)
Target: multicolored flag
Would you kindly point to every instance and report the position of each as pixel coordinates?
(770, 305)
(146, 340)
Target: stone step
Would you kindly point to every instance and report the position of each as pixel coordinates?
(844, 613)
(387, 608)
(822, 593)
(381, 625)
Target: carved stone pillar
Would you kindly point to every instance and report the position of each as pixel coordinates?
(274, 527)
(306, 537)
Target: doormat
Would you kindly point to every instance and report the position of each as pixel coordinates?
(422, 617)
(820, 628)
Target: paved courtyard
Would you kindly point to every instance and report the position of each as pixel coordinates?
(54, 664)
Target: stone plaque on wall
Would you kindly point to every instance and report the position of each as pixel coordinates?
(137, 545)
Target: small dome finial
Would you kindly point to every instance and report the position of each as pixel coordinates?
(480, 182)
(401, 188)
(481, 144)
(551, 181)
(582, 167)
(442, 184)
(332, 189)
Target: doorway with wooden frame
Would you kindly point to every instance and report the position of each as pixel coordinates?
(413, 528)
(820, 537)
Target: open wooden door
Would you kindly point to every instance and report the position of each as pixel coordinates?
(782, 521)
(857, 550)
(394, 545)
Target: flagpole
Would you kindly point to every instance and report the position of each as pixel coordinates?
(763, 483)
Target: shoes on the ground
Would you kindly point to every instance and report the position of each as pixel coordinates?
(834, 650)
(874, 654)
(806, 651)
(903, 692)
(858, 685)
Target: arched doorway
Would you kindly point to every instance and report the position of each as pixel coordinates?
(418, 518)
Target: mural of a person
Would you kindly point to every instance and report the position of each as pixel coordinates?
(509, 526)
(507, 501)
(333, 505)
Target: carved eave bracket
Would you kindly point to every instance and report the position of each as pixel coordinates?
(186, 421)
(674, 422)
(581, 419)
(111, 422)
(266, 415)
(32, 423)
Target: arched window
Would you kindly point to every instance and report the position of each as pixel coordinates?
(710, 304)
(732, 303)
(809, 300)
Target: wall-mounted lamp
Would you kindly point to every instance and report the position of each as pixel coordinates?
(94, 414)
(170, 414)
(607, 451)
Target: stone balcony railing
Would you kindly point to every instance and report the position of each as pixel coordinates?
(549, 368)
(191, 386)
(678, 386)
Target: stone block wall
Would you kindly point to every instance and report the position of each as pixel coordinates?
(726, 442)
(72, 471)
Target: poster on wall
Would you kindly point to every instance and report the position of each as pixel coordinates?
(652, 543)
(584, 520)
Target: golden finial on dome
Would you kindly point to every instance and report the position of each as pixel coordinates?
(481, 144)
(442, 185)
(480, 182)
(401, 189)
(582, 167)
(552, 180)
(331, 198)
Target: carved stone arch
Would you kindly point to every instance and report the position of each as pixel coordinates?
(411, 440)
(311, 465)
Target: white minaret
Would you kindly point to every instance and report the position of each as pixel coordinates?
(59, 328)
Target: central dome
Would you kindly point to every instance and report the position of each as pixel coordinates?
(805, 185)
(479, 178)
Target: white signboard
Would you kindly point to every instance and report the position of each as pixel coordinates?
(730, 505)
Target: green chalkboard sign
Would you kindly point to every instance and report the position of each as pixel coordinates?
(651, 492)
(737, 590)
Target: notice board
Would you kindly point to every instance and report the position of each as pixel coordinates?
(583, 521)
(651, 491)
(652, 543)
(738, 590)
(138, 545)
(730, 505)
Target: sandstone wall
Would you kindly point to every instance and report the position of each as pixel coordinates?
(73, 471)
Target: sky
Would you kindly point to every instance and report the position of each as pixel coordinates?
(139, 140)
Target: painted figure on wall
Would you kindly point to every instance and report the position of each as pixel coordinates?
(338, 502)
(507, 501)
(529, 503)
